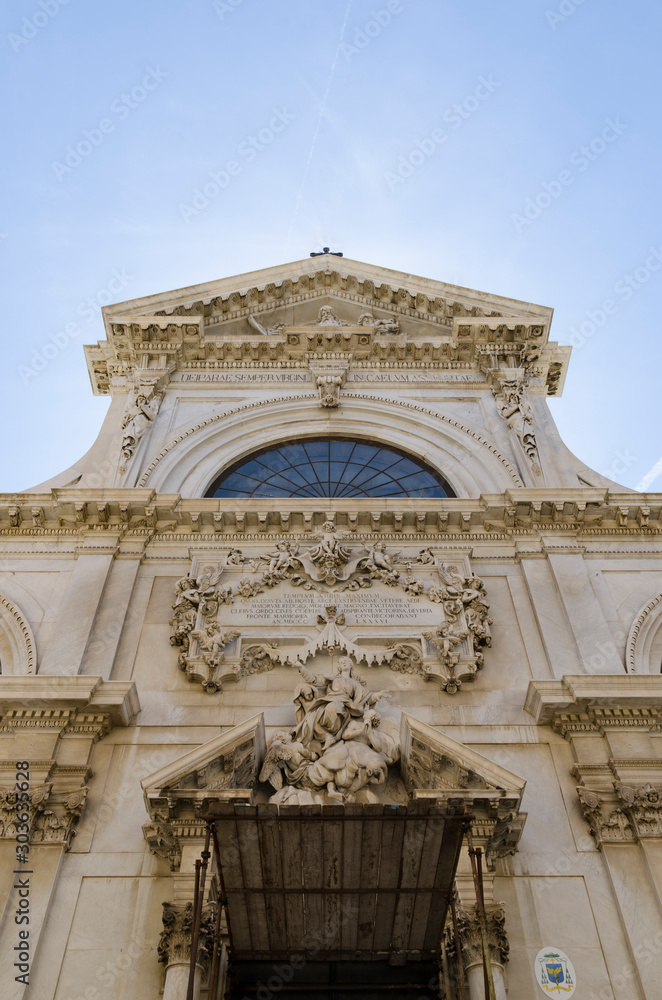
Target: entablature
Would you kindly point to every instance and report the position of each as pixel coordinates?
(143, 512)
(396, 319)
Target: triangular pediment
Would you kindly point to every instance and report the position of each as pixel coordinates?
(322, 304)
(229, 761)
(348, 280)
(434, 762)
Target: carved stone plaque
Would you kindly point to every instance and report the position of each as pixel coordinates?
(379, 606)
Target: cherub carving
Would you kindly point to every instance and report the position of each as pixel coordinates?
(280, 562)
(446, 637)
(211, 640)
(329, 546)
(286, 759)
(379, 563)
(248, 588)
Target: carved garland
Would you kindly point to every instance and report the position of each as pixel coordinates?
(217, 418)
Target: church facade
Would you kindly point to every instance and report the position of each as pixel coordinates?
(329, 668)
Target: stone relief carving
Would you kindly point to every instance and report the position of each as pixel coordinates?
(195, 628)
(381, 326)
(162, 840)
(513, 405)
(407, 658)
(450, 652)
(466, 623)
(643, 806)
(266, 331)
(327, 317)
(339, 745)
(329, 562)
(257, 658)
(141, 409)
(329, 388)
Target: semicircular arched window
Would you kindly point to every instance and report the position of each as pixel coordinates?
(330, 467)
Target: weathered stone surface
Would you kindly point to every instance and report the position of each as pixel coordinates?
(151, 638)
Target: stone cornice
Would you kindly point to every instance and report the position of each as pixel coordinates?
(76, 705)
(123, 522)
(272, 283)
(590, 704)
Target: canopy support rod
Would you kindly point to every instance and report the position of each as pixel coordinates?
(475, 854)
(198, 900)
(223, 906)
(458, 948)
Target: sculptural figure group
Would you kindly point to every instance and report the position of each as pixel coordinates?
(338, 745)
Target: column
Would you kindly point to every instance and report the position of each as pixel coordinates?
(175, 948)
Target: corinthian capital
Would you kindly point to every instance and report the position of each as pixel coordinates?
(471, 941)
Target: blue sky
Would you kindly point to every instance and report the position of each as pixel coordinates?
(511, 147)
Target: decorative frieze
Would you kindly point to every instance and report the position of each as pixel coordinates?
(125, 523)
(376, 319)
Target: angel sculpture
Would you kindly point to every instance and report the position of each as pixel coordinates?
(476, 609)
(446, 639)
(452, 580)
(329, 547)
(199, 592)
(286, 760)
(379, 563)
(211, 641)
(283, 558)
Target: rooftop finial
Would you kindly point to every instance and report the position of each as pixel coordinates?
(325, 250)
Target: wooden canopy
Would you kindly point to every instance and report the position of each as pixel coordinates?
(352, 882)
